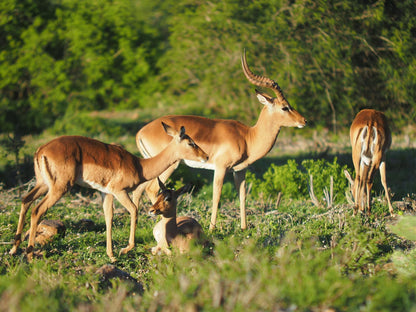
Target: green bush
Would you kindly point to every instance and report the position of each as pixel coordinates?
(293, 180)
(287, 179)
(322, 171)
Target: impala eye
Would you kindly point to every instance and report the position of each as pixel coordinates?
(285, 109)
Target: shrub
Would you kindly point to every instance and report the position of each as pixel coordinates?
(293, 180)
(322, 171)
(287, 179)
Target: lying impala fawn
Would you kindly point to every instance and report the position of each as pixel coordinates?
(230, 144)
(70, 160)
(177, 232)
(370, 139)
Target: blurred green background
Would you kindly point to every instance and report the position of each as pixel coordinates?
(331, 58)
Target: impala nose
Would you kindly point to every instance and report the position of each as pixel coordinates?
(303, 124)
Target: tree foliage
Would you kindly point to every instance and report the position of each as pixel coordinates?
(60, 57)
(330, 58)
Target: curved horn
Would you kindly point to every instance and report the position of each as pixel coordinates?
(260, 80)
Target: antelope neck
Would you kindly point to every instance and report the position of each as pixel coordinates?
(263, 135)
(154, 166)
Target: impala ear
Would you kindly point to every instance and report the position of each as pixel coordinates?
(182, 132)
(161, 185)
(264, 98)
(170, 131)
(184, 189)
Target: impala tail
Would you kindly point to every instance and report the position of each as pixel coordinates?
(368, 138)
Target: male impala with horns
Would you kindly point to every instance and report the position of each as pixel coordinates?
(231, 145)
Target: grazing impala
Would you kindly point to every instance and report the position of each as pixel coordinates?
(177, 232)
(370, 139)
(230, 144)
(70, 160)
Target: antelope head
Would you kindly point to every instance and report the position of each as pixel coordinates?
(192, 150)
(279, 106)
(167, 200)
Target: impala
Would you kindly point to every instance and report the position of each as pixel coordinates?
(231, 145)
(70, 160)
(370, 139)
(177, 232)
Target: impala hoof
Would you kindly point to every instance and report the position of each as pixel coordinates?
(155, 250)
(13, 251)
(125, 250)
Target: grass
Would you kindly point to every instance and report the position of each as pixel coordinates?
(405, 227)
(292, 257)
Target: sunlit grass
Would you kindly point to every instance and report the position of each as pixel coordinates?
(295, 256)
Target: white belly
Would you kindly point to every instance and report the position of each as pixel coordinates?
(199, 164)
(93, 185)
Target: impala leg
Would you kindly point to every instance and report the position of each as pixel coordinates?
(163, 246)
(125, 200)
(358, 194)
(219, 175)
(27, 200)
(137, 193)
(152, 189)
(108, 215)
(356, 198)
(357, 183)
(362, 196)
(240, 185)
(384, 183)
(48, 201)
(162, 241)
(369, 186)
(363, 186)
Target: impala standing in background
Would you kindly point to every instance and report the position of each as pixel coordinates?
(70, 160)
(370, 139)
(231, 145)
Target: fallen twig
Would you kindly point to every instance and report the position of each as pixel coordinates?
(6, 243)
